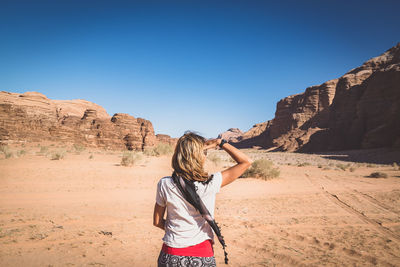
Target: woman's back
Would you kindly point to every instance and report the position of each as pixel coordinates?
(184, 224)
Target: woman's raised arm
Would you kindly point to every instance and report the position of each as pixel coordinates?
(243, 161)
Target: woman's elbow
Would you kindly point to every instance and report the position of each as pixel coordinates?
(248, 163)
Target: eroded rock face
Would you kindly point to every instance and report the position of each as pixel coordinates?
(232, 135)
(164, 138)
(361, 109)
(33, 117)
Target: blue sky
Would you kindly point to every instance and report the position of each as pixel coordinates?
(205, 66)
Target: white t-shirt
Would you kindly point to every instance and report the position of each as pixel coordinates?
(184, 225)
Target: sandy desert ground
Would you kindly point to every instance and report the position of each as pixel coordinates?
(81, 211)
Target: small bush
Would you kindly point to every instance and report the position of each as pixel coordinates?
(21, 153)
(262, 168)
(43, 149)
(326, 168)
(6, 151)
(378, 175)
(396, 166)
(130, 158)
(91, 156)
(57, 155)
(343, 166)
(303, 164)
(78, 148)
(159, 150)
(352, 169)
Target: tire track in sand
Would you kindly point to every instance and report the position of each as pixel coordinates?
(336, 200)
(365, 196)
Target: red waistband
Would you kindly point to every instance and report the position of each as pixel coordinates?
(204, 249)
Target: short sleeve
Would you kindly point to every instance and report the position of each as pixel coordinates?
(160, 196)
(216, 182)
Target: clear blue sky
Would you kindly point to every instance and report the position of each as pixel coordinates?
(188, 65)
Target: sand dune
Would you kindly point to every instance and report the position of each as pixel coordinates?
(92, 212)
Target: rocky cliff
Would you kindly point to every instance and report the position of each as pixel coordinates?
(33, 117)
(361, 109)
(232, 135)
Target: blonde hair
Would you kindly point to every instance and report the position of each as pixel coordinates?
(187, 160)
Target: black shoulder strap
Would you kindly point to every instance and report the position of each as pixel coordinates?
(188, 190)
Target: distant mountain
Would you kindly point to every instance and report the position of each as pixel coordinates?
(31, 116)
(232, 135)
(361, 109)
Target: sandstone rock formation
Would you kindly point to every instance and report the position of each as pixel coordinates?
(164, 138)
(232, 135)
(361, 109)
(33, 117)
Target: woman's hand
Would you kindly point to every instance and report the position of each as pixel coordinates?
(212, 143)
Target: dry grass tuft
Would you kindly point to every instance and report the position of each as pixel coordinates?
(78, 148)
(159, 150)
(57, 155)
(343, 167)
(130, 158)
(21, 152)
(396, 166)
(6, 151)
(262, 168)
(43, 150)
(352, 169)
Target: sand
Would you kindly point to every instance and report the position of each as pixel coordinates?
(93, 212)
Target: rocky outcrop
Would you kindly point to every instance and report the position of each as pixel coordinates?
(164, 138)
(232, 135)
(33, 117)
(361, 109)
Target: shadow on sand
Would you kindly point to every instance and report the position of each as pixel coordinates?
(375, 156)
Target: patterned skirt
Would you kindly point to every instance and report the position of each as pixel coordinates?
(168, 260)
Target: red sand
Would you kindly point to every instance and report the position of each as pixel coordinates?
(52, 213)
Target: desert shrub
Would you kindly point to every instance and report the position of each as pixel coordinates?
(21, 152)
(352, 169)
(262, 168)
(57, 155)
(43, 149)
(303, 164)
(150, 151)
(78, 148)
(6, 151)
(396, 166)
(378, 175)
(320, 166)
(159, 150)
(130, 158)
(342, 166)
(370, 165)
(214, 159)
(91, 156)
(326, 168)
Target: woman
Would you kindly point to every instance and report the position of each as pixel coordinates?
(189, 198)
